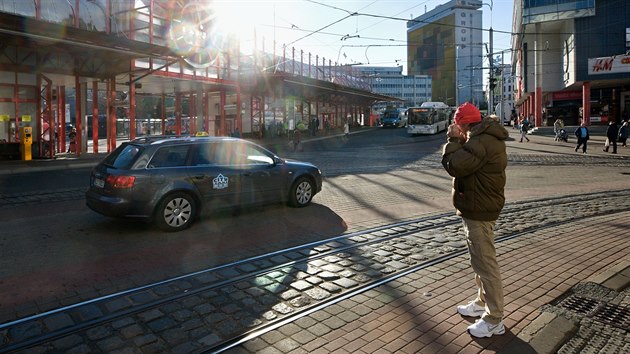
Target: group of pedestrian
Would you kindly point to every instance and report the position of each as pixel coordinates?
(314, 126)
(614, 135)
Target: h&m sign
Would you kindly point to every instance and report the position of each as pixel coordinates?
(609, 65)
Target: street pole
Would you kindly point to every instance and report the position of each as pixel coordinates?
(490, 75)
(456, 75)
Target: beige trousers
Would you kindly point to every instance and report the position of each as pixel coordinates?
(480, 239)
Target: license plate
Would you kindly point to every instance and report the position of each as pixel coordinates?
(99, 183)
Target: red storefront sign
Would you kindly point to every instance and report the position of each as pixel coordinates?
(567, 95)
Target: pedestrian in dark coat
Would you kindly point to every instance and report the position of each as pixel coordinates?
(623, 134)
(611, 136)
(582, 137)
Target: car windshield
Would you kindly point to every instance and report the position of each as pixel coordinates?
(390, 115)
(123, 157)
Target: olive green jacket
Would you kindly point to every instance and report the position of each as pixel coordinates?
(478, 170)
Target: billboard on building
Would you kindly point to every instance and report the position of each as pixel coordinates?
(431, 51)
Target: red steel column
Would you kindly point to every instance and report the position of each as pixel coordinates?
(94, 117)
(192, 113)
(163, 113)
(206, 118)
(132, 108)
(586, 102)
(61, 96)
(111, 115)
(178, 114)
(77, 104)
(239, 118)
(538, 107)
(222, 122)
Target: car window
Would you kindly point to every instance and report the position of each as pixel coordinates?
(123, 157)
(239, 153)
(204, 154)
(169, 156)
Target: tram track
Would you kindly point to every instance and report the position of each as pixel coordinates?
(274, 288)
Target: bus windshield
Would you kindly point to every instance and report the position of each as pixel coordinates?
(421, 116)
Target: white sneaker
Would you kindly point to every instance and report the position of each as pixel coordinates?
(482, 328)
(471, 310)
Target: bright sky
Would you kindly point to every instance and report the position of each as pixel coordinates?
(347, 31)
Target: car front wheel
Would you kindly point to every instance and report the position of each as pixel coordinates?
(302, 192)
(175, 212)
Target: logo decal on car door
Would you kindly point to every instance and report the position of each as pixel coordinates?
(220, 182)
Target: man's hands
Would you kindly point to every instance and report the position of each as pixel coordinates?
(455, 131)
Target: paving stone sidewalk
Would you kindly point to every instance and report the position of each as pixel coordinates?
(416, 313)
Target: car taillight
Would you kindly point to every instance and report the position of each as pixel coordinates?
(120, 181)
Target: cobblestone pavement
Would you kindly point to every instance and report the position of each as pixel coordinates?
(209, 308)
(416, 313)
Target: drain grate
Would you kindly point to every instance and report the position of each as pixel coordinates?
(579, 304)
(614, 315)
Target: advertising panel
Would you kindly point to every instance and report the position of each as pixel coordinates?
(432, 52)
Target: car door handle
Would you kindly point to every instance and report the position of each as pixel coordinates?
(247, 174)
(200, 176)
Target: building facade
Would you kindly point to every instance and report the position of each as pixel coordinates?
(412, 90)
(502, 90)
(446, 44)
(571, 60)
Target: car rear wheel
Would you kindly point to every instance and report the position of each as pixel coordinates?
(302, 192)
(175, 212)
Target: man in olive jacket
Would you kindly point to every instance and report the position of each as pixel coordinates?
(475, 157)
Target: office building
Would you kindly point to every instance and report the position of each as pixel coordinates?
(412, 90)
(571, 60)
(446, 44)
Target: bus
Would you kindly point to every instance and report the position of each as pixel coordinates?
(429, 118)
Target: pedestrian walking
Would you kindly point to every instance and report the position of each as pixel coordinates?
(524, 129)
(297, 140)
(346, 129)
(623, 134)
(72, 146)
(582, 137)
(612, 133)
(476, 158)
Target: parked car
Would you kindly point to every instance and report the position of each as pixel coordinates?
(169, 180)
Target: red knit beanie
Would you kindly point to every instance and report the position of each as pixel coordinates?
(466, 114)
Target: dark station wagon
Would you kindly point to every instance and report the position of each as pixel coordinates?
(169, 180)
